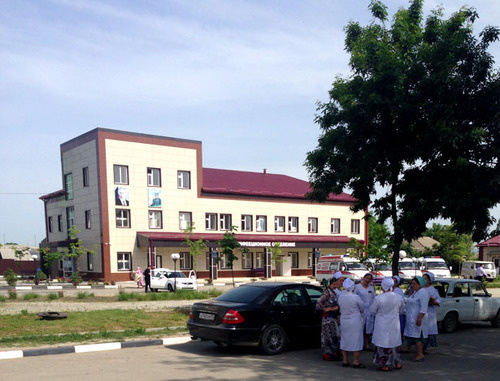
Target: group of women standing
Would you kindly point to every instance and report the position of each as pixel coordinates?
(355, 318)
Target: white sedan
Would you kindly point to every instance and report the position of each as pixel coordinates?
(166, 279)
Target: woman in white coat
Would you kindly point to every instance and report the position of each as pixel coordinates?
(387, 331)
(351, 324)
(434, 302)
(366, 292)
(416, 316)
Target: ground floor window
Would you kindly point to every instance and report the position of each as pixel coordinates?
(90, 261)
(124, 261)
(159, 261)
(186, 261)
(260, 260)
(246, 260)
(224, 261)
(310, 260)
(295, 260)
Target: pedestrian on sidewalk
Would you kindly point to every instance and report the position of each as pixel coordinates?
(147, 278)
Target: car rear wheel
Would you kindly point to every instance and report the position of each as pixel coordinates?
(495, 322)
(273, 340)
(450, 322)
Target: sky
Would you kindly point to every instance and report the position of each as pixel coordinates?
(243, 77)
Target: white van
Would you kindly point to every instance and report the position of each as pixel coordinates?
(469, 270)
(329, 264)
(435, 265)
(408, 269)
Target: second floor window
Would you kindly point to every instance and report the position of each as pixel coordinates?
(155, 219)
(122, 218)
(68, 186)
(211, 221)
(184, 220)
(279, 224)
(355, 226)
(88, 220)
(183, 179)
(261, 223)
(312, 225)
(70, 217)
(120, 174)
(293, 224)
(85, 173)
(50, 224)
(154, 177)
(246, 223)
(225, 221)
(336, 225)
(60, 223)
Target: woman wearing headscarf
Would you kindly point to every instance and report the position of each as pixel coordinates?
(351, 324)
(139, 277)
(386, 330)
(416, 316)
(330, 333)
(434, 302)
(366, 292)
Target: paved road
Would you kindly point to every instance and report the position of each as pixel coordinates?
(469, 354)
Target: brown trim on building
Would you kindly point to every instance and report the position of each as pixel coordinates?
(274, 199)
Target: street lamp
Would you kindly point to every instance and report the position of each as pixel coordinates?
(175, 257)
(35, 257)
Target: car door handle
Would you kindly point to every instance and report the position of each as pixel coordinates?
(457, 300)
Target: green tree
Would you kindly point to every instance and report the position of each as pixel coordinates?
(196, 248)
(453, 247)
(228, 245)
(276, 257)
(418, 118)
(379, 243)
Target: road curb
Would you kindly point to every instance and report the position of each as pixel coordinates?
(16, 354)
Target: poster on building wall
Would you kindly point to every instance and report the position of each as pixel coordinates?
(121, 196)
(154, 198)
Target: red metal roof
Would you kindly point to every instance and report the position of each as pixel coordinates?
(58, 193)
(259, 184)
(495, 241)
(212, 237)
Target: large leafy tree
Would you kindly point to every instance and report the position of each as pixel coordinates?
(418, 119)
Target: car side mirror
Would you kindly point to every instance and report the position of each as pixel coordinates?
(450, 268)
(488, 294)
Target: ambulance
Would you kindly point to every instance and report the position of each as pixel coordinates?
(435, 265)
(408, 269)
(329, 264)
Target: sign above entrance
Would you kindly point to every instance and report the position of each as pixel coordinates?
(266, 244)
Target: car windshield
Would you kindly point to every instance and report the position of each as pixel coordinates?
(176, 274)
(242, 294)
(488, 266)
(356, 266)
(383, 267)
(436, 265)
(406, 266)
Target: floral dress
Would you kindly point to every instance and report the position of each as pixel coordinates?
(330, 332)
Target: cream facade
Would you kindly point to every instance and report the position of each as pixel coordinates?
(131, 196)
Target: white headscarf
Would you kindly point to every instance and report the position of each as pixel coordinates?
(348, 284)
(338, 275)
(387, 284)
(431, 276)
(398, 279)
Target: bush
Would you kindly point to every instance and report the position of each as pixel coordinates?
(84, 295)
(40, 276)
(76, 278)
(30, 296)
(10, 277)
(52, 296)
(2, 298)
(12, 294)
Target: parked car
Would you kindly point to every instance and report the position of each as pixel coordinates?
(408, 269)
(166, 279)
(469, 270)
(465, 300)
(329, 264)
(266, 314)
(436, 265)
(379, 270)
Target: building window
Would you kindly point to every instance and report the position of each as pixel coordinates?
(122, 218)
(124, 261)
(121, 174)
(260, 260)
(261, 223)
(295, 260)
(312, 223)
(154, 177)
(90, 261)
(184, 220)
(49, 223)
(293, 224)
(185, 261)
(354, 226)
(155, 219)
(246, 260)
(59, 223)
(85, 173)
(246, 223)
(68, 186)
(336, 225)
(88, 222)
(279, 224)
(310, 259)
(210, 221)
(159, 261)
(70, 217)
(225, 221)
(224, 261)
(183, 179)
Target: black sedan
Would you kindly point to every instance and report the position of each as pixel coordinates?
(265, 314)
